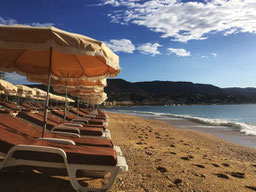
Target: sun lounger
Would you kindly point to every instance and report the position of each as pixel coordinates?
(92, 119)
(10, 106)
(72, 117)
(32, 131)
(54, 126)
(21, 150)
(72, 123)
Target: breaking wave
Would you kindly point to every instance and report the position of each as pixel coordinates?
(247, 129)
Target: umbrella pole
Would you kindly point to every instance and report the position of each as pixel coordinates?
(47, 95)
(77, 106)
(65, 106)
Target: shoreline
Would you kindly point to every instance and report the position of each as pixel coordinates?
(227, 133)
(162, 157)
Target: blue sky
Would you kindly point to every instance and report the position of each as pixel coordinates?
(207, 41)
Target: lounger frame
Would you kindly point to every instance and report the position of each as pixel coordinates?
(10, 161)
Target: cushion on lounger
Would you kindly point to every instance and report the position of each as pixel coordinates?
(75, 154)
(19, 125)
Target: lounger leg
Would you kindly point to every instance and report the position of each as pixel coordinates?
(73, 180)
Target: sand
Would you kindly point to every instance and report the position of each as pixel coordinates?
(160, 158)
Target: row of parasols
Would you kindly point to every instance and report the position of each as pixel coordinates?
(90, 95)
(69, 62)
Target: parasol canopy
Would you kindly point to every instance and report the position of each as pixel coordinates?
(71, 84)
(25, 91)
(28, 50)
(8, 88)
(94, 98)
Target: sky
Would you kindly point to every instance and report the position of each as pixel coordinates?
(201, 41)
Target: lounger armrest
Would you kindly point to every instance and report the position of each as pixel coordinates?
(73, 124)
(81, 120)
(67, 129)
(66, 134)
(58, 140)
(121, 162)
(91, 116)
(10, 161)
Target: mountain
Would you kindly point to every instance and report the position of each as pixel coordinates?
(176, 88)
(122, 92)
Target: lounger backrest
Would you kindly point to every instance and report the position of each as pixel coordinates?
(75, 154)
(22, 127)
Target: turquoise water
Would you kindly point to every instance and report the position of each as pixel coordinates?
(241, 117)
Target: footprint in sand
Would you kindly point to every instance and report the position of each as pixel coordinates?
(190, 156)
(221, 175)
(238, 175)
(177, 181)
(162, 169)
(225, 164)
(198, 165)
(173, 153)
(215, 165)
(187, 157)
(172, 145)
(251, 187)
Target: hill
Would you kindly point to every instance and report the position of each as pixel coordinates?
(122, 92)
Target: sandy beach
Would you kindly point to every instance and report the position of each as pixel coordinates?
(160, 158)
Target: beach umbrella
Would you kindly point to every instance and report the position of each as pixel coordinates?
(40, 94)
(93, 99)
(25, 90)
(76, 92)
(71, 84)
(8, 88)
(48, 52)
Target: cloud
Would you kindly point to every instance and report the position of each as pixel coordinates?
(36, 24)
(179, 52)
(13, 77)
(121, 45)
(184, 21)
(10, 21)
(214, 54)
(149, 49)
(7, 21)
(117, 3)
(204, 57)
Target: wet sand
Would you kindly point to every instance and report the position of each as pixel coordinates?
(161, 158)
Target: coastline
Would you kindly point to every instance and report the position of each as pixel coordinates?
(162, 157)
(226, 133)
(238, 132)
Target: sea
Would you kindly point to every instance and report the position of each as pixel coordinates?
(235, 123)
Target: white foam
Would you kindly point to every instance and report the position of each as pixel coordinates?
(247, 129)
